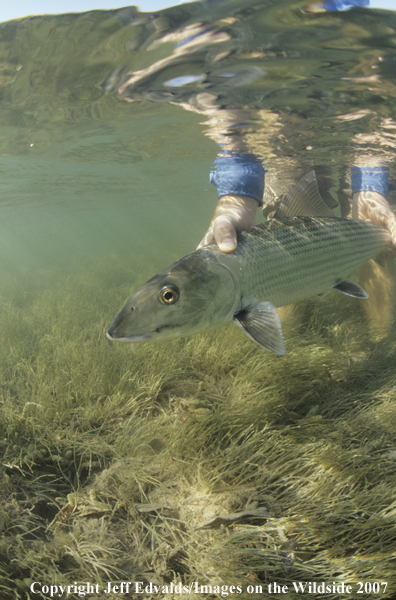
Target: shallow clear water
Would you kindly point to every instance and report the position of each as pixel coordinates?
(85, 173)
(109, 126)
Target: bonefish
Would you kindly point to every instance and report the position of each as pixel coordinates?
(287, 259)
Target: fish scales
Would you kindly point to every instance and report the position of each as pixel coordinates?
(290, 259)
(280, 262)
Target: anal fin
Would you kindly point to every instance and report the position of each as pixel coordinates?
(262, 324)
(350, 288)
(384, 259)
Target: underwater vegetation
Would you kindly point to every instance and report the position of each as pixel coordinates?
(203, 459)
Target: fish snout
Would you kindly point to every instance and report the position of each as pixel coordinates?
(115, 330)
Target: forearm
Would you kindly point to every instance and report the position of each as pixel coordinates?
(369, 190)
(239, 179)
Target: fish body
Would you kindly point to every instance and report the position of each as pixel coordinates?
(277, 263)
(287, 260)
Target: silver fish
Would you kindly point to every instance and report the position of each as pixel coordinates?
(280, 262)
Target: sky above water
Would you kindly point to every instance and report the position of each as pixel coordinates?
(24, 8)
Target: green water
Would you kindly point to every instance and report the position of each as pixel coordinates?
(68, 206)
(85, 174)
(101, 189)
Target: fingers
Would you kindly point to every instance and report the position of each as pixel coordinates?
(207, 239)
(372, 206)
(225, 235)
(391, 226)
(233, 213)
(384, 216)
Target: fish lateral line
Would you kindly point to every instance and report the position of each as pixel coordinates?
(303, 251)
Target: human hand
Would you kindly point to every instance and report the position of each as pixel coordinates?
(373, 206)
(233, 213)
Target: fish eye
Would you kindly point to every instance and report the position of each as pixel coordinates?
(169, 294)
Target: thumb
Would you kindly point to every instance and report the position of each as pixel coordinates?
(225, 235)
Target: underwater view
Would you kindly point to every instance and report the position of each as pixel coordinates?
(240, 462)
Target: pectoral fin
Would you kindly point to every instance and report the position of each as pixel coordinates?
(261, 323)
(350, 288)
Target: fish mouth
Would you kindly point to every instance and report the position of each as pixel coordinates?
(129, 339)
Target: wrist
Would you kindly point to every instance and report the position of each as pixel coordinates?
(242, 202)
(370, 178)
(239, 175)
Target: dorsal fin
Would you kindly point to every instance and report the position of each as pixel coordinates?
(304, 200)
